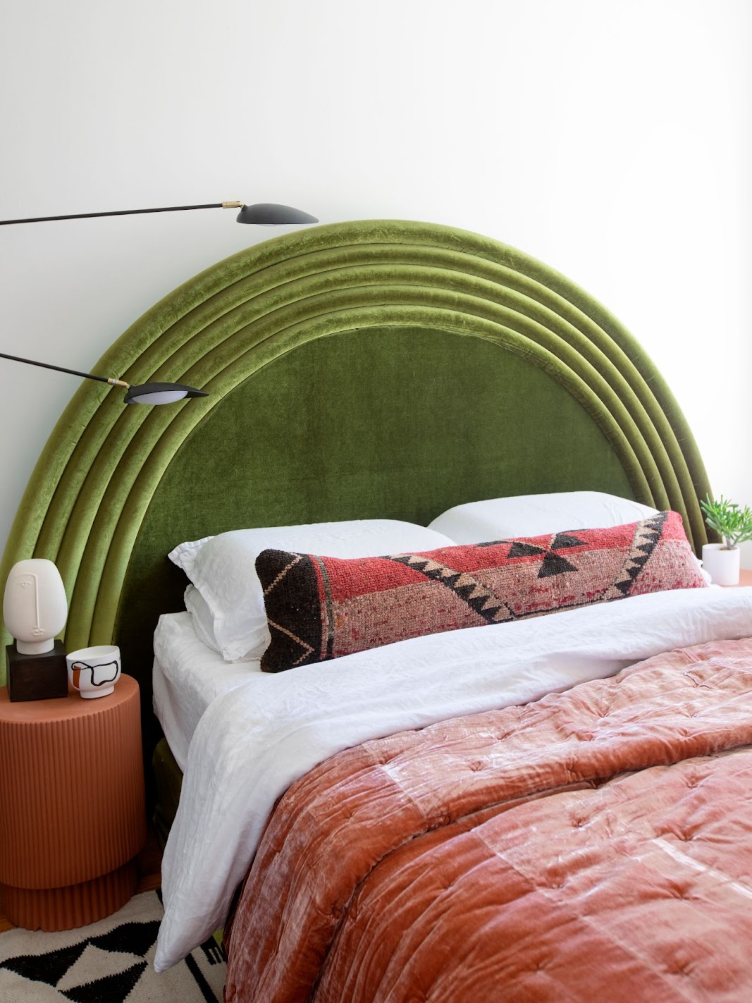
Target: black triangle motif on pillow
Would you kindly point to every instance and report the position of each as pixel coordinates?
(519, 549)
(562, 540)
(552, 564)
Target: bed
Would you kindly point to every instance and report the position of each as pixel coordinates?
(397, 370)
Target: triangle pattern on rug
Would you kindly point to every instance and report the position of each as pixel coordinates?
(112, 962)
(112, 988)
(95, 964)
(130, 938)
(49, 968)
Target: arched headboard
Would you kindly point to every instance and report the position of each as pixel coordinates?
(366, 369)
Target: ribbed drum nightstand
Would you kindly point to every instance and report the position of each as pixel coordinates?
(72, 815)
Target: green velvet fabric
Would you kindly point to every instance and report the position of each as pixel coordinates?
(386, 424)
(374, 368)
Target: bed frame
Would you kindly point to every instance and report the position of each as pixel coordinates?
(368, 369)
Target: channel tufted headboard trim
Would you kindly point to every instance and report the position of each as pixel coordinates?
(91, 490)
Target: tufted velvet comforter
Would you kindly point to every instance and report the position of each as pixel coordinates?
(593, 845)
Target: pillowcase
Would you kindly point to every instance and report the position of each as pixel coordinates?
(230, 606)
(531, 515)
(202, 618)
(321, 607)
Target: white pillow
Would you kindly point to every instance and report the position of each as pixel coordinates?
(533, 515)
(222, 569)
(201, 617)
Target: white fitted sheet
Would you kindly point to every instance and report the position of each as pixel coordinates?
(187, 676)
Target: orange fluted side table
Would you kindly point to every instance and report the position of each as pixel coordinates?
(72, 814)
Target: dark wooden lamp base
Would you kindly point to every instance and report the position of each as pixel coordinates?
(37, 677)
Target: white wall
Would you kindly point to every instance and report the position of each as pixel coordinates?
(609, 138)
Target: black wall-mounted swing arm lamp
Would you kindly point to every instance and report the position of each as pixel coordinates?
(144, 393)
(261, 214)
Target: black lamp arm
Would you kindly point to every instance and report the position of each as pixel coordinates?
(122, 212)
(62, 369)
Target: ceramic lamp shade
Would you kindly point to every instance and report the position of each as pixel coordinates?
(34, 605)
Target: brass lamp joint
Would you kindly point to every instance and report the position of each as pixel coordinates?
(232, 205)
(119, 383)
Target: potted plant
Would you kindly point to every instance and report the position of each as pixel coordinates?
(734, 525)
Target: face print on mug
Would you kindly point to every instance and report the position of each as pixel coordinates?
(100, 674)
(94, 671)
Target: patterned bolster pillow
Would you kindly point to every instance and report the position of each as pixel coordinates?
(325, 607)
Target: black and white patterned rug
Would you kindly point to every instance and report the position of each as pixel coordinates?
(107, 962)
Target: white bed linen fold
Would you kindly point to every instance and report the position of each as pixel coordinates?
(187, 676)
(254, 741)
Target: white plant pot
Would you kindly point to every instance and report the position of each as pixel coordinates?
(721, 564)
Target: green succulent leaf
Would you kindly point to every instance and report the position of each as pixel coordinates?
(726, 517)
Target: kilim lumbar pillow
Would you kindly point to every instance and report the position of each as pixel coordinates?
(324, 607)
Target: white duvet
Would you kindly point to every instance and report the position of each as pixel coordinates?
(254, 741)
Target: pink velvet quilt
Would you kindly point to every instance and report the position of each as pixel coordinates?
(593, 845)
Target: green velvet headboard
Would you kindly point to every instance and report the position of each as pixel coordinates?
(366, 369)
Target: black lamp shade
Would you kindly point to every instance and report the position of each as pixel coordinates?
(270, 214)
(160, 393)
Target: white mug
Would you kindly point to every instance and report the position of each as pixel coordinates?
(94, 671)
